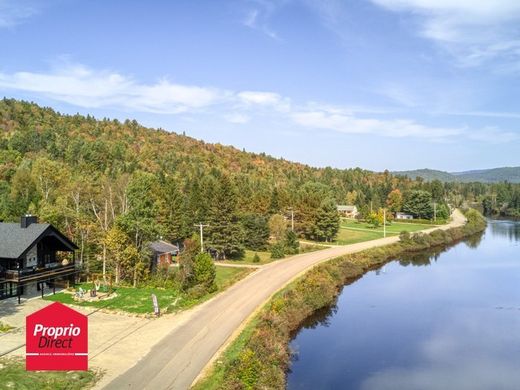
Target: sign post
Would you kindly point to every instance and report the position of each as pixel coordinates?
(156, 309)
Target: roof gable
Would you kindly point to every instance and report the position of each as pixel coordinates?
(15, 240)
(163, 247)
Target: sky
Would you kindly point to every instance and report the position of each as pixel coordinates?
(377, 84)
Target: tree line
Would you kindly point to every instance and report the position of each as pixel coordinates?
(114, 186)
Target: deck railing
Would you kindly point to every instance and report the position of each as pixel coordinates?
(39, 274)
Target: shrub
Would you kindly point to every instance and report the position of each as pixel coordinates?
(256, 258)
(204, 270)
(277, 251)
(405, 237)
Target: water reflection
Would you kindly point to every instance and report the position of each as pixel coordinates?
(445, 319)
(509, 229)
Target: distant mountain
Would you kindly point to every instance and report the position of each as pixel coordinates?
(494, 175)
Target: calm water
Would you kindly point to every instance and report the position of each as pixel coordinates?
(443, 320)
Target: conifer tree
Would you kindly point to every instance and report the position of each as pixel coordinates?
(327, 221)
(224, 233)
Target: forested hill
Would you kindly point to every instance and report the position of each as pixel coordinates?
(495, 175)
(113, 187)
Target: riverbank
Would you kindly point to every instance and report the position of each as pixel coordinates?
(260, 356)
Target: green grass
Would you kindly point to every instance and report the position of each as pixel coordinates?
(226, 276)
(14, 376)
(265, 257)
(353, 231)
(394, 227)
(215, 377)
(138, 300)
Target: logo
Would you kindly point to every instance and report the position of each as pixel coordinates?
(56, 339)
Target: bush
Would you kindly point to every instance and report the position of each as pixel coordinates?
(405, 237)
(204, 270)
(256, 258)
(277, 251)
(292, 245)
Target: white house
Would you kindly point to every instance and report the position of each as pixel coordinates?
(348, 211)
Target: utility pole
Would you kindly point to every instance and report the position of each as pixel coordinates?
(384, 222)
(434, 211)
(201, 227)
(292, 218)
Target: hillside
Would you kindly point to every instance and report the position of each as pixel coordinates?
(494, 175)
(88, 177)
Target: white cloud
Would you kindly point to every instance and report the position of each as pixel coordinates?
(351, 124)
(474, 31)
(81, 86)
(85, 87)
(14, 12)
(257, 18)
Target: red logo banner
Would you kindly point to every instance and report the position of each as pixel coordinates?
(56, 339)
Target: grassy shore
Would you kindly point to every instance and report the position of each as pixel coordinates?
(138, 300)
(260, 356)
(14, 376)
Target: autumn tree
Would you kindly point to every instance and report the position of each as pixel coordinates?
(394, 201)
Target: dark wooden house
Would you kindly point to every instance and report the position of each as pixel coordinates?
(163, 253)
(33, 254)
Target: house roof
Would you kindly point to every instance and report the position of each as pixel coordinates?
(163, 247)
(15, 240)
(346, 208)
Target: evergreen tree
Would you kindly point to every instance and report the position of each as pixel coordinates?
(256, 232)
(327, 221)
(292, 245)
(419, 204)
(224, 233)
(204, 271)
(175, 221)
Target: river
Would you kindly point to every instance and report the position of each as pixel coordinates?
(446, 319)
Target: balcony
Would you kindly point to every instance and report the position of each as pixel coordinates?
(52, 271)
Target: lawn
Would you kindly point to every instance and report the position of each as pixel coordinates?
(394, 227)
(14, 376)
(353, 231)
(265, 257)
(138, 300)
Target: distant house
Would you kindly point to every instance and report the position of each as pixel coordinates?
(162, 253)
(33, 255)
(348, 211)
(399, 215)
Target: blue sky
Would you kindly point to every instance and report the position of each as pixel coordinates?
(380, 84)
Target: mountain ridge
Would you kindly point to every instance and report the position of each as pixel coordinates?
(492, 175)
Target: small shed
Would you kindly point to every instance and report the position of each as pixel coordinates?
(163, 253)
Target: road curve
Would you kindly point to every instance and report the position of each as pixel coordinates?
(181, 355)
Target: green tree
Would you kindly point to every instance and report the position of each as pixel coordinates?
(186, 261)
(225, 234)
(292, 245)
(256, 232)
(419, 204)
(204, 271)
(174, 217)
(140, 222)
(327, 221)
(278, 250)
